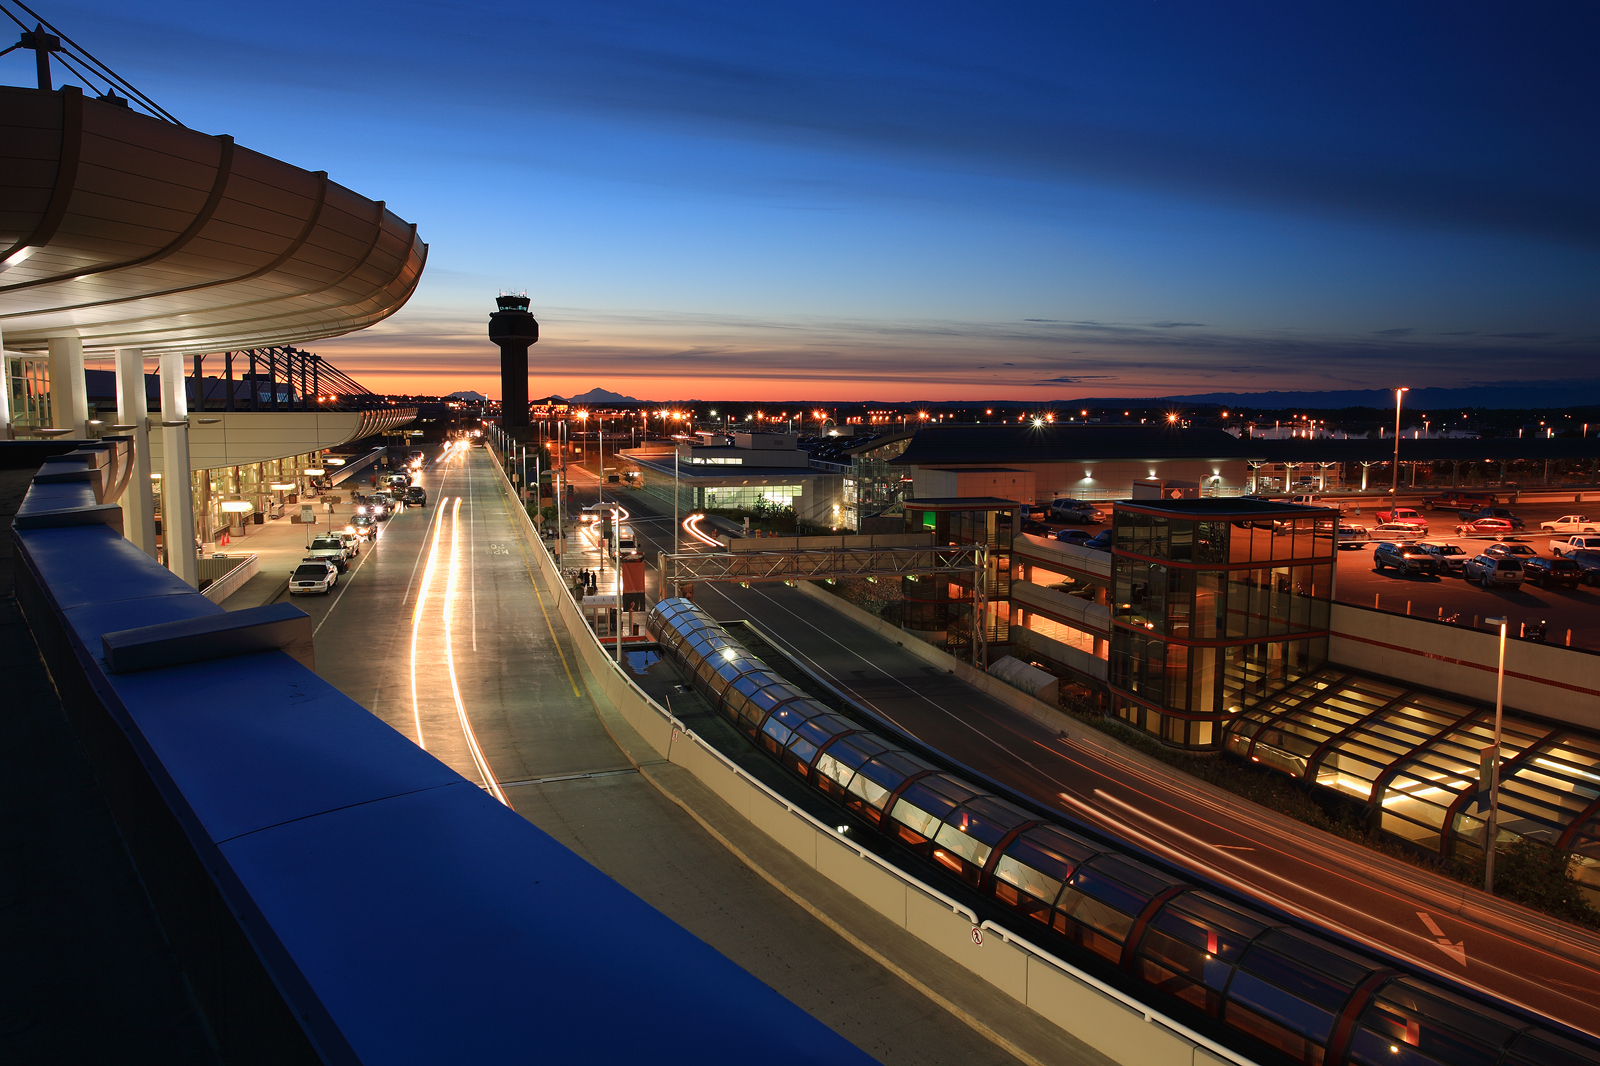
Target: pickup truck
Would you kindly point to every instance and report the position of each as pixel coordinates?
(1409, 515)
(1458, 500)
(1576, 542)
(1571, 523)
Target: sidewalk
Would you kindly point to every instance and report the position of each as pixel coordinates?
(281, 545)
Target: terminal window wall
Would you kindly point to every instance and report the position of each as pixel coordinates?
(750, 497)
(1414, 758)
(876, 484)
(28, 381)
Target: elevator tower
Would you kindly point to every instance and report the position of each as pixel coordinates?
(513, 329)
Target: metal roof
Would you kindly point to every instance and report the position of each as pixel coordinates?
(1428, 449)
(1057, 443)
(990, 444)
(126, 231)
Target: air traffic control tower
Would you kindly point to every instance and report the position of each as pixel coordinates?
(513, 329)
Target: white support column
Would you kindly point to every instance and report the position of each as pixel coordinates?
(177, 493)
(5, 392)
(69, 398)
(133, 409)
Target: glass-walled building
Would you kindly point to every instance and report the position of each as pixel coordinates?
(1215, 604)
(939, 606)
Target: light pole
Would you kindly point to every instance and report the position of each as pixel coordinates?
(1492, 757)
(1394, 486)
(676, 544)
(600, 463)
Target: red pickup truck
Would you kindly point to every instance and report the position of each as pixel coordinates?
(1408, 515)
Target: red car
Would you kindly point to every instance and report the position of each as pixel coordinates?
(1498, 528)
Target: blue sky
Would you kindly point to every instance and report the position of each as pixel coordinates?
(933, 200)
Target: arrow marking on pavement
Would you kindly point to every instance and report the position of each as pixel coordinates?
(1457, 951)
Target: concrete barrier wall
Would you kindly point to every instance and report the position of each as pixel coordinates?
(1544, 679)
(1106, 1019)
(226, 585)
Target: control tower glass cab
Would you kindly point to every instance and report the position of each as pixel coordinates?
(1217, 604)
(513, 329)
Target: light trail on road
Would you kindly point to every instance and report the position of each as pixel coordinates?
(416, 617)
(450, 658)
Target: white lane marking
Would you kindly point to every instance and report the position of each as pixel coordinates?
(416, 617)
(1457, 951)
(478, 759)
(472, 544)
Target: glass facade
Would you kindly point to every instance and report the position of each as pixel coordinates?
(938, 604)
(1211, 611)
(874, 485)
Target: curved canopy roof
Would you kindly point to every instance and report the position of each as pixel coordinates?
(126, 231)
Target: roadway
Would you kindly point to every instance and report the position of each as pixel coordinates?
(1226, 840)
(448, 631)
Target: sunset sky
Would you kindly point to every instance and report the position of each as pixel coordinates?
(931, 200)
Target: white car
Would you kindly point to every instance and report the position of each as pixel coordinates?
(313, 575)
(1571, 523)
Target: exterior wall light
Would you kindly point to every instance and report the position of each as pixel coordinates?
(238, 506)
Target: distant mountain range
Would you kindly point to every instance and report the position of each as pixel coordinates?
(601, 396)
(1510, 394)
(468, 395)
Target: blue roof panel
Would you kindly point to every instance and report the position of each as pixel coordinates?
(535, 955)
(257, 740)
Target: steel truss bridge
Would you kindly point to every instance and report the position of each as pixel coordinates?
(823, 564)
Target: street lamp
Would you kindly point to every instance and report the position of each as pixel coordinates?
(1491, 756)
(1394, 485)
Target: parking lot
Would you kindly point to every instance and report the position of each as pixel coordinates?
(1564, 611)
(1568, 614)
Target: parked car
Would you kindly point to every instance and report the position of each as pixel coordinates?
(1546, 572)
(1449, 558)
(417, 496)
(1489, 570)
(1458, 500)
(1492, 512)
(1036, 527)
(1497, 528)
(331, 549)
(1571, 523)
(1407, 558)
(313, 575)
(1408, 515)
(352, 543)
(1101, 541)
(1398, 531)
(1589, 562)
(1074, 536)
(1578, 542)
(1521, 551)
(1068, 510)
(1352, 535)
